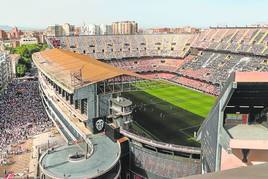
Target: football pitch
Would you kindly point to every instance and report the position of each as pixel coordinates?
(169, 113)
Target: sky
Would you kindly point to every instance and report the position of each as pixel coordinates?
(148, 13)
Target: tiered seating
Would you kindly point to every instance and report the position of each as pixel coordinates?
(148, 64)
(127, 46)
(265, 38)
(215, 68)
(259, 35)
(246, 40)
(196, 84)
(167, 76)
(256, 49)
(224, 50)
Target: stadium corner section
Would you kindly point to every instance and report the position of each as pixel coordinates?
(75, 90)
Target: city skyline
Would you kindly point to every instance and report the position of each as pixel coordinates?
(169, 13)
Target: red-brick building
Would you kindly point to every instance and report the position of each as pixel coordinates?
(3, 35)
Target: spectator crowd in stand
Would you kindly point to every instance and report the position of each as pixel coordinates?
(21, 116)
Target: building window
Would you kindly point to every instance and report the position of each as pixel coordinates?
(76, 105)
(84, 106)
(71, 98)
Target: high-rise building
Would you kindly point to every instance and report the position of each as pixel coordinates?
(15, 33)
(3, 35)
(105, 29)
(55, 30)
(125, 27)
(68, 29)
(90, 29)
(60, 30)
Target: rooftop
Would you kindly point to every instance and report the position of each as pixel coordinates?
(251, 77)
(248, 132)
(105, 155)
(121, 101)
(250, 172)
(61, 65)
(253, 136)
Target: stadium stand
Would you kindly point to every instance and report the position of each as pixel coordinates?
(244, 39)
(201, 61)
(127, 46)
(157, 165)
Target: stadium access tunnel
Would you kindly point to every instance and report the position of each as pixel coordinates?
(235, 133)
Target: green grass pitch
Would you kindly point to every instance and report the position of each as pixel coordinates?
(188, 99)
(169, 113)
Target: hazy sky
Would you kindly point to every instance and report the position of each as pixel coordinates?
(148, 13)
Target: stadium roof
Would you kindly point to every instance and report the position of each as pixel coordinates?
(249, 172)
(61, 64)
(251, 77)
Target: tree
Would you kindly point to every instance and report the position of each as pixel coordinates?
(20, 70)
(25, 52)
(22, 50)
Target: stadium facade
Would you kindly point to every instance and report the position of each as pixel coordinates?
(202, 61)
(78, 94)
(70, 109)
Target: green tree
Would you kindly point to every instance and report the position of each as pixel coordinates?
(25, 52)
(20, 70)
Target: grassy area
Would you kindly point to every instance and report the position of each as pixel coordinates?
(170, 113)
(25, 51)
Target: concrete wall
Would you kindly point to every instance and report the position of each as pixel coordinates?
(155, 165)
(209, 141)
(234, 159)
(104, 104)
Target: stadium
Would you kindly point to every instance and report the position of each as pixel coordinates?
(149, 94)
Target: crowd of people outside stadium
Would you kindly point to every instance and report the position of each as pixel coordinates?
(21, 116)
